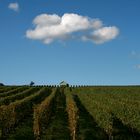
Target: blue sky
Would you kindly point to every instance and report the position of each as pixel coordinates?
(114, 61)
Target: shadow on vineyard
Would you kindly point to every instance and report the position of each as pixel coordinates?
(58, 127)
(24, 131)
(87, 127)
(122, 132)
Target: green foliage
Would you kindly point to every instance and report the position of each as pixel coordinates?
(17, 96)
(7, 89)
(104, 103)
(13, 91)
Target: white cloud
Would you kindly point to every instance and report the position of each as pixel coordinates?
(133, 53)
(47, 20)
(53, 27)
(105, 34)
(138, 66)
(102, 35)
(97, 23)
(14, 6)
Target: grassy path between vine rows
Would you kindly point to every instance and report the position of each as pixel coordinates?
(57, 129)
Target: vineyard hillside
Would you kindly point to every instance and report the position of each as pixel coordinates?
(69, 113)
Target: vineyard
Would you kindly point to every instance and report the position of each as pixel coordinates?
(69, 113)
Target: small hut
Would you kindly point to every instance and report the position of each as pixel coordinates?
(64, 84)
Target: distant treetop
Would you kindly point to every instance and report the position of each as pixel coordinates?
(32, 83)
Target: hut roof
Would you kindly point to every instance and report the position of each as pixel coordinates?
(63, 83)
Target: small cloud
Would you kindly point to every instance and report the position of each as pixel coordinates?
(102, 35)
(138, 66)
(105, 34)
(14, 6)
(133, 53)
(51, 27)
